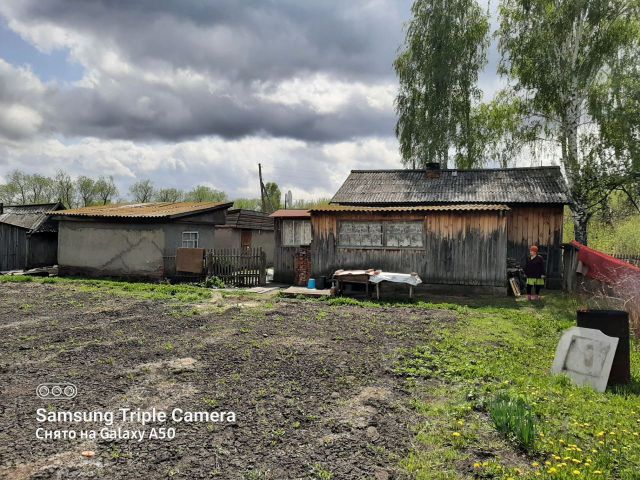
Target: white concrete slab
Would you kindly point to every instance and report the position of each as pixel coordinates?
(585, 355)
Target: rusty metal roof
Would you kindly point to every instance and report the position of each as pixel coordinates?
(415, 187)
(248, 219)
(32, 217)
(418, 208)
(291, 213)
(146, 210)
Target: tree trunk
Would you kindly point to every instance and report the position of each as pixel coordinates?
(580, 223)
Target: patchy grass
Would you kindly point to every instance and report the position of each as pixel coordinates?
(150, 291)
(495, 353)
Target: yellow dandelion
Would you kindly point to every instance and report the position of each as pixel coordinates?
(598, 472)
(600, 434)
(476, 465)
(575, 460)
(535, 464)
(552, 470)
(576, 472)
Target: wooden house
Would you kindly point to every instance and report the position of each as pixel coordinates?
(245, 230)
(28, 237)
(460, 227)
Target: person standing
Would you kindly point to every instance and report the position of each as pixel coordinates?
(534, 270)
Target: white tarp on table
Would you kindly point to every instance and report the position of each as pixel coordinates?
(395, 277)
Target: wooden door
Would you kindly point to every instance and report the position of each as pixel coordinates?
(245, 239)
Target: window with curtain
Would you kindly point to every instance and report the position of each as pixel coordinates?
(296, 233)
(380, 234)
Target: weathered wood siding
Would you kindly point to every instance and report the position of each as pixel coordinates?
(463, 248)
(537, 225)
(13, 247)
(283, 271)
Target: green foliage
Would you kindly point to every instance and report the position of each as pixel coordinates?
(444, 50)
(203, 193)
(248, 204)
(142, 191)
(213, 282)
(168, 195)
(504, 351)
(574, 64)
(513, 418)
(273, 196)
(621, 237)
(156, 291)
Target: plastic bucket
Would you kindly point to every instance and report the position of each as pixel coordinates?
(311, 284)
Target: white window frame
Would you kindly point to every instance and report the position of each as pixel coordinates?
(191, 242)
(384, 226)
(298, 226)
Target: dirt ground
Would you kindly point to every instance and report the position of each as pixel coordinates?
(311, 384)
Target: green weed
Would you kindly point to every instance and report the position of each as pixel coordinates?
(513, 418)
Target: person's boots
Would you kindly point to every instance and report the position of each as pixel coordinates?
(529, 296)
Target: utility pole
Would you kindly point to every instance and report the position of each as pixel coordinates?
(262, 189)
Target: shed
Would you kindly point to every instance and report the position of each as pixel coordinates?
(292, 236)
(246, 229)
(450, 226)
(137, 241)
(28, 237)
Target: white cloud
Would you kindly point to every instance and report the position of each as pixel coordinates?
(310, 170)
(327, 95)
(18, 121)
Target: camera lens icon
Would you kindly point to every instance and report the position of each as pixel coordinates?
(56, 391)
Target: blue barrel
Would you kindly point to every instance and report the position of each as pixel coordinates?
(311, 283)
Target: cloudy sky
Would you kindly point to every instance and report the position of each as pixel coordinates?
(199, 91)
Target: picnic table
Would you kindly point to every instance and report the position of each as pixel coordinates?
(375, 277)
(352, 276)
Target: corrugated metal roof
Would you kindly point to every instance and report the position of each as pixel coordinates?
(291, 213)
(248, 219)
(407, 187)
(33, 217)
(146, 210)
(419, 208)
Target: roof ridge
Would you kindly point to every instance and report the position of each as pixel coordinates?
(391, 170)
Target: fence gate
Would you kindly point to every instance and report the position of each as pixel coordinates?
(237, 266)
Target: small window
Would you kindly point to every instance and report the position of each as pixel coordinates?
(380, 234)
(189, 239)
(360, 234)
(296, 233)
(404, 234)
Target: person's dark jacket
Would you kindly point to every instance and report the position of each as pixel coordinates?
(534, 268)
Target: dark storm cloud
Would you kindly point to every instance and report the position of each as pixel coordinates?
(162, 113)
(237, 50)
(243, 40)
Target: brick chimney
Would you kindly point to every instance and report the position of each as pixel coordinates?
(432, 169)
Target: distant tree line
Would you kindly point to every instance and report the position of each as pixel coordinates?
(23, 188)
(83, 191)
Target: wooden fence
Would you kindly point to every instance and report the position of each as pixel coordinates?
(632, 259)
(237, 267)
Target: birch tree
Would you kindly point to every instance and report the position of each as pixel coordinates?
(563, 58)
(444, 50)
